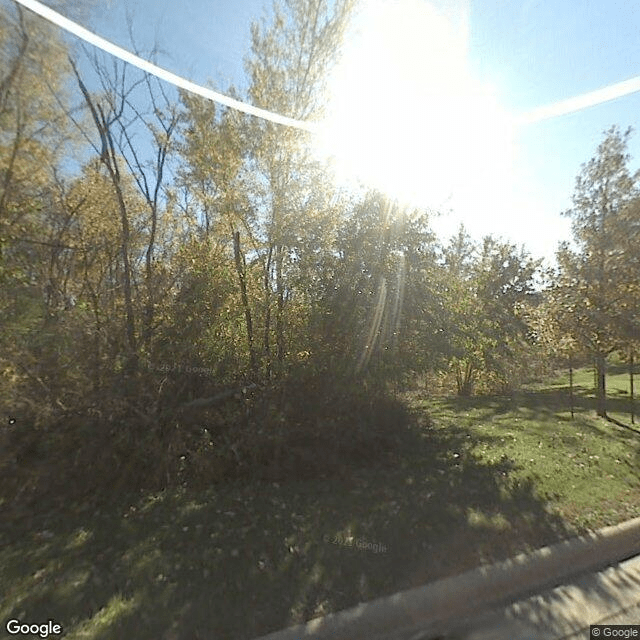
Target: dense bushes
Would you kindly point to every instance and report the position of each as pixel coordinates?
(298, 428)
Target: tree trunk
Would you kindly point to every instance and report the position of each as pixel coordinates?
(601, 392)
(267, 313)
(149, 307)
(571, 384)
(132, 363)
(108, 158)
(464, 380)
(7, 81)
(97, 328)
(633, 415)
(280, 346)
(240, 268)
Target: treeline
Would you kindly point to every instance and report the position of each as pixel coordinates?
(185, 297)
(592, 305)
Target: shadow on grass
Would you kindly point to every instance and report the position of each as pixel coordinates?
(622, 368)
(543, 404)
(623, 425)
(243, 559)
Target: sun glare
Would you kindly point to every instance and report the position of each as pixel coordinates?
(405, 114)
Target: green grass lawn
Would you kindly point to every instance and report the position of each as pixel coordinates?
(618, 388)
(475, 480)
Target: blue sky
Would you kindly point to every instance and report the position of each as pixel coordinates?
(540, 52)
(531, 53)
(203, 41)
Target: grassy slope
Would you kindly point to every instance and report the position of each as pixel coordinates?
(482, 479)
(618, 388)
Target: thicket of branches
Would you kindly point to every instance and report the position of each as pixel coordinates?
(185, 298)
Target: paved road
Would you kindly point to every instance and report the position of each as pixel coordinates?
(611, 596)
(556, 591)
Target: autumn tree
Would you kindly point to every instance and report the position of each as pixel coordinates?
(594, 276)
(360, 312)
(35, 137)
(551, 330)
(483, 290)
(215, 180)
(33, 126)
(290, 57)
(136, 121)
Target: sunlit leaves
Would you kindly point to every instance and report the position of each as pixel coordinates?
(595, 280)
(483, 289)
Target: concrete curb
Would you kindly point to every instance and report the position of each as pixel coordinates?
(442, 605)
(607, 596)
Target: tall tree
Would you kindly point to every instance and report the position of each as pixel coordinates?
(33, 124)
(484, 288)
(34, 263)
(593, 276)
(288, 65)
(105, 117)
(216, 180)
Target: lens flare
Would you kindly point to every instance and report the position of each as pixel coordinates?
(405, 114)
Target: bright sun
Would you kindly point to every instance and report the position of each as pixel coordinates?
(405, 114)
